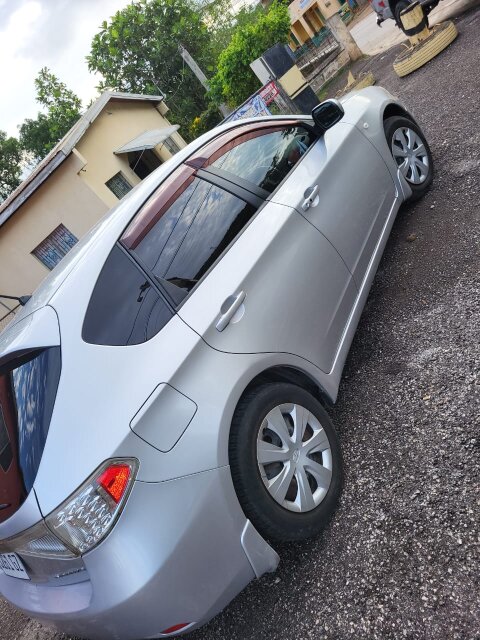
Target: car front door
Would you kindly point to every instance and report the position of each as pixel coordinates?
(343, 187)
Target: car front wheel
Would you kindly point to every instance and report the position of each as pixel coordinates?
(285, 461)
(411, 152)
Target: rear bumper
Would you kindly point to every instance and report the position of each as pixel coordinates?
(180, 552)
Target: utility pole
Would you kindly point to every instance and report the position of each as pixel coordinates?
(343, 35)
(201, 76)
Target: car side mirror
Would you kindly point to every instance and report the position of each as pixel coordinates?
(326, 114)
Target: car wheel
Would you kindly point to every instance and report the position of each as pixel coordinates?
(411, 152)
(285, 461)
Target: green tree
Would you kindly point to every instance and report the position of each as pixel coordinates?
(234, 80)
(207, 120)
(39, 136)
(137, 51)
(10, 157)
(222, 24)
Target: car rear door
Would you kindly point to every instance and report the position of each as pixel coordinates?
(247, 274)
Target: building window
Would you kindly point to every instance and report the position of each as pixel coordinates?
(119, 185)
(294, 39)
(55, 246)
(171, 145)
(143, 162)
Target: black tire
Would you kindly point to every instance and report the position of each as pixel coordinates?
(272, 520)
(390, 126)
(397, 10)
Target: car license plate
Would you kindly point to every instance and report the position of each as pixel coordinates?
(11, 564)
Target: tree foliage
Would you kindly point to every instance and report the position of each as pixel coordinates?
(207, 120)
(38, 136)
(234, 80)
(137, 51)
(222, 24)
(10, 157)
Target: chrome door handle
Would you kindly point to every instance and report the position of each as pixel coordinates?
(312, 194)
(228, 309)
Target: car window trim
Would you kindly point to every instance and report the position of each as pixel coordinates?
(203, 161)
(203, 156)
(235, 181)
(149, 276)
(230, 187)
(156, 205)
(151, 212)
(221, 256)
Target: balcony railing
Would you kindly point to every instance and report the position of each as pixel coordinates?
(316, 50)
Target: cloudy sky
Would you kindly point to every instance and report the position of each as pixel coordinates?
(46, 33)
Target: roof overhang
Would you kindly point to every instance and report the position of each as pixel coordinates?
(148, 139)
(32, 186)
(63, 149)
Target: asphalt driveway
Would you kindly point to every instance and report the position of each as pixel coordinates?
(401, 557)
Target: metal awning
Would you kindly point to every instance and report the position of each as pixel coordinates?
(148, 139)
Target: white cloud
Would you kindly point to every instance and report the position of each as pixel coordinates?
(52, 33)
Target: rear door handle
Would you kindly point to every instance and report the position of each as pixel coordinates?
(309, 195)
(229, 309)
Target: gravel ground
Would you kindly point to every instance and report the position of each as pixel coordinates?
(400, 558)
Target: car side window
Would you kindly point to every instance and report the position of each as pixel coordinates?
(124, 308)
(265, 159)
(190, 235)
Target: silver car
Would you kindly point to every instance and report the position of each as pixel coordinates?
(164, 393)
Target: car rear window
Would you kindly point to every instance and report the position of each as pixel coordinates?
(125, 309)
(27, 396)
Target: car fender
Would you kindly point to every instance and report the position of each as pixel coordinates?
(203, 444)
(365, 110)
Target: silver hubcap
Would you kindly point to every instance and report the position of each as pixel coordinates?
(410, 155)
(294, 457)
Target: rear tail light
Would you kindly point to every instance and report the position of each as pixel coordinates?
(114, 480)
(83, 520)
(177, 628)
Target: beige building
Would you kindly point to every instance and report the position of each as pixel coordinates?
(119, 140)
(308, 17)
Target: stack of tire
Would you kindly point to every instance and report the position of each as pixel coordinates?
(421, 52)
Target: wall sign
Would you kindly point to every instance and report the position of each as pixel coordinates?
(269, 92)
